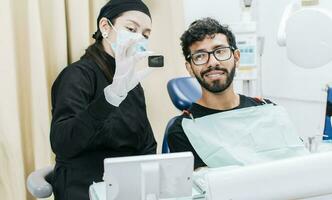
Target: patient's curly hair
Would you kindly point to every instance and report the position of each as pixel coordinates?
(201, 28)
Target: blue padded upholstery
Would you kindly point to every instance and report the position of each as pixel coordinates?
(183, 92)
(165, 148)
(328, 117)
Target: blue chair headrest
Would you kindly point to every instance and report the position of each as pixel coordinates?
(183, 92)
(329, 94)
(328, 116)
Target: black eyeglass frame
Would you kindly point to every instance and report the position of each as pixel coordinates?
(212, 52)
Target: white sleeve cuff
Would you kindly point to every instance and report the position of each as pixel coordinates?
(113, 98)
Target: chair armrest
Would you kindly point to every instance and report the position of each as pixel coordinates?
(37, 185)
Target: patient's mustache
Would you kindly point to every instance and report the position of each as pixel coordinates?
(213, 69)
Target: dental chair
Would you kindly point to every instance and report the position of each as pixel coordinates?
(183, 91)
(328, 115)
(38, 182)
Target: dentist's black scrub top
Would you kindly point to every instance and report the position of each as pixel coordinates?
(86, 129)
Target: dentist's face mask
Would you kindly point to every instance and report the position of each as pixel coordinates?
(123, 36)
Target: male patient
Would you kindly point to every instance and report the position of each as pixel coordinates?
(224, 128)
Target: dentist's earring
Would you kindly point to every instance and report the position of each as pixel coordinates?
(105, 35)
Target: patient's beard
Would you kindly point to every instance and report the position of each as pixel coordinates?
(217, 86)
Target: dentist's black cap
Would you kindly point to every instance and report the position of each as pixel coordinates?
(115, 7)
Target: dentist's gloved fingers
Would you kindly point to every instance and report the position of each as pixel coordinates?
(124, 47)
(140, 55)
(121, 50)
(124, 65)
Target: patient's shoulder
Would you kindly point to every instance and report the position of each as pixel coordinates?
(262, 101)
(246, 101)
(175, 127)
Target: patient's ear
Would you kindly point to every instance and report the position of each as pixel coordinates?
(189, 69)
(237, 57)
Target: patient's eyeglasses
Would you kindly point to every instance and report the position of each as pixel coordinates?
(203, 57)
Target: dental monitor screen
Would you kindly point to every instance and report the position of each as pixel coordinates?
(149, 177)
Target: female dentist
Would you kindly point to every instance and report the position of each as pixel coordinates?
(98, 104)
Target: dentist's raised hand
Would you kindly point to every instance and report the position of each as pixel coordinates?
(126, 77)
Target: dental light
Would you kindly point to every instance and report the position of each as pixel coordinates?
(305, 30)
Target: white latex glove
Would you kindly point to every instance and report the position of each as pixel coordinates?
(126, 77)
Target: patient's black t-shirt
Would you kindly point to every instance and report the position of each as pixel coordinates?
(177, 139)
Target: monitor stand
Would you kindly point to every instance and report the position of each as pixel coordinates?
(150, 185)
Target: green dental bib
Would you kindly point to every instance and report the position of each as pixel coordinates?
(244, 136)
